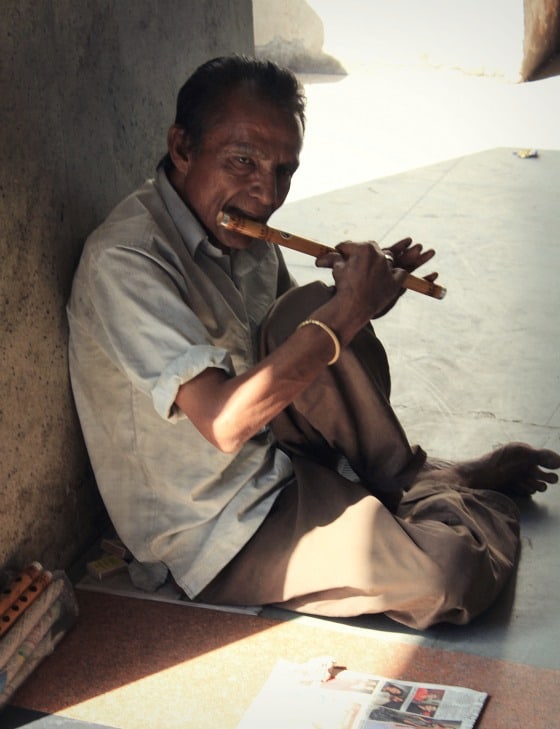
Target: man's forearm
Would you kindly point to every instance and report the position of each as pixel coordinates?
(229, 411)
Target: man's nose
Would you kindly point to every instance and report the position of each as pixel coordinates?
(264, 187)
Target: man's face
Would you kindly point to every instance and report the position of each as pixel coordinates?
(244, 165)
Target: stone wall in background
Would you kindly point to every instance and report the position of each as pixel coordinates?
(542, 35)
(291, 33)
(503, 38)
(88, 92)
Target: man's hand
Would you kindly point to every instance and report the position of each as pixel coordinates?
(368, 276)
(409, 257)
(374, 275)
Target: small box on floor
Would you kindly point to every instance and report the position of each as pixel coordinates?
(106, 566)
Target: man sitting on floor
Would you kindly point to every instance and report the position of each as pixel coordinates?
(239, 425)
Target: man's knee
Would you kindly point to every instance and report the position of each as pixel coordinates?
(433, 596)
(289, 310)
(456, 591)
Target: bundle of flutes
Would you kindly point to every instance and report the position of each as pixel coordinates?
(254, 229)
(22, 592)
(36, 609)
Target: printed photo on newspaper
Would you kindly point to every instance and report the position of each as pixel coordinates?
(321, 695)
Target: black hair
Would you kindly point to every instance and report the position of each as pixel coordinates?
(202, 96)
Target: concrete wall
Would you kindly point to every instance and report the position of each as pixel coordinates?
(88, 91)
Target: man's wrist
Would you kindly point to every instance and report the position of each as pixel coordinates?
(342, 317)
(326, 328)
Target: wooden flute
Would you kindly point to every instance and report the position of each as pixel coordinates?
(253, 229)
(24, 600)
(18, 585)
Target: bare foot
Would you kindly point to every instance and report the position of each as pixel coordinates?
(516, 469)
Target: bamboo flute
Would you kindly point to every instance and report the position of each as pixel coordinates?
(24, 600)
(254, 229)
(18, 585)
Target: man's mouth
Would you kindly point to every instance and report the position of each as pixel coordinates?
(235, 212)
(232, 221)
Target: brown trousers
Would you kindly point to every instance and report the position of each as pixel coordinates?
(329, 545)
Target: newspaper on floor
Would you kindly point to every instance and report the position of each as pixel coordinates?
(319, 695)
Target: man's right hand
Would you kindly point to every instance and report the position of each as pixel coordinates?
(367, 283)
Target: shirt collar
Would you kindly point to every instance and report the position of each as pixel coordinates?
(188, 226)
(195, 236)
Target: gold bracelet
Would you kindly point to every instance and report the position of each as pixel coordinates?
(329, 331)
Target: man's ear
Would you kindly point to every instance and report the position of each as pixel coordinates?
(178, 148)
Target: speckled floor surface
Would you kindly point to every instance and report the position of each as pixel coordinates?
(145, 665)
(470, 372)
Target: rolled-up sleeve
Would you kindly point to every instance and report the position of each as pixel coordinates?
(182, 369)
(148, 329)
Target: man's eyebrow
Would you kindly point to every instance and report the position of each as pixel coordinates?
(254, 151)
(245, 147)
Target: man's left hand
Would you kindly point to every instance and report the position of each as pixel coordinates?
(409, 256)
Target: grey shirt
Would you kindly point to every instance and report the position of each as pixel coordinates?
(153, 305)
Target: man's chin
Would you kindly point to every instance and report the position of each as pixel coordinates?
(230, 240)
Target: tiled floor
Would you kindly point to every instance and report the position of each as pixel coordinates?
(397, 153)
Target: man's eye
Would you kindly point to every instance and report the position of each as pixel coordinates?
(244, 161)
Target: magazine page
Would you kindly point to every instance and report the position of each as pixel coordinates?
(321, 695)
(403, 704)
